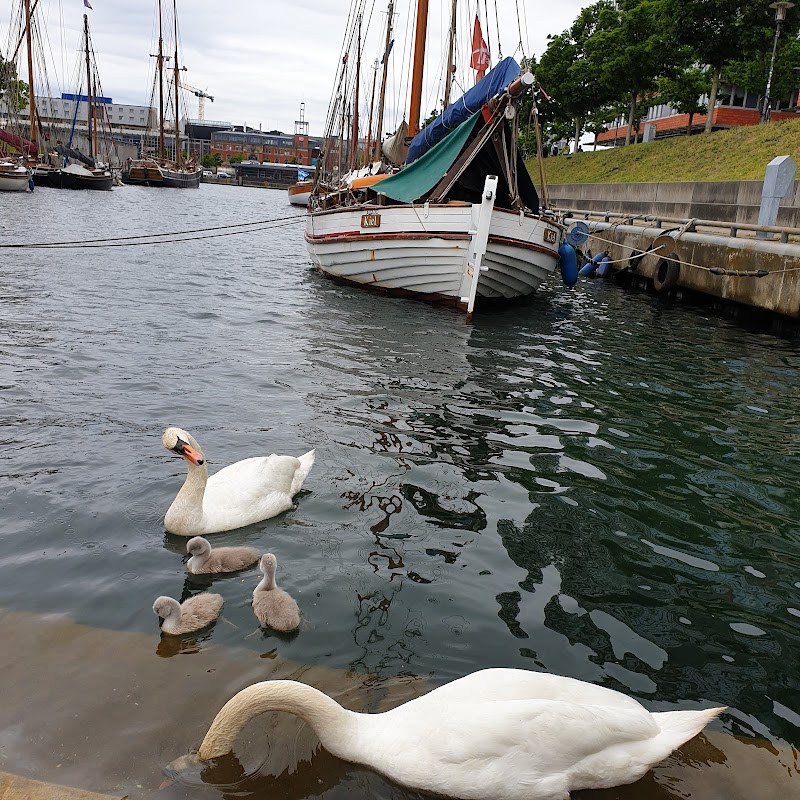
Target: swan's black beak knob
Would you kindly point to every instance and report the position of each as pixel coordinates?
(188, 452)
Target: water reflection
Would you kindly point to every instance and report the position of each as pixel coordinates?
(594, 484)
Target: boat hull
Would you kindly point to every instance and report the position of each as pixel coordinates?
(152, 174)
(14, 179)
(64, 179)
(300, 193)
(423, 251)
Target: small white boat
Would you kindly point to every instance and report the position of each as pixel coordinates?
(14, 177)
(300, 192)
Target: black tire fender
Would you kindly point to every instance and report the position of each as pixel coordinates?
(666, 275)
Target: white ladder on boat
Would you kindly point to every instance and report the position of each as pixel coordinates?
(477, 250)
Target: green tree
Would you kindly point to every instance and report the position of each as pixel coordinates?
(683, 92)
(638, 51)
(751, 75)
(570, 71)
(721, 31)
(13, 91)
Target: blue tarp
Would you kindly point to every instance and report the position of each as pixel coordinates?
(462, 109)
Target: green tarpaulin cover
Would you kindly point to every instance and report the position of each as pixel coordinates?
(416, 180)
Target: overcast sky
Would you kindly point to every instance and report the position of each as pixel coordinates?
(260, 59)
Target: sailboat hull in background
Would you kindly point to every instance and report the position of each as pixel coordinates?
(14, 177)
(423, 250)
(73, 177)
(149, 173)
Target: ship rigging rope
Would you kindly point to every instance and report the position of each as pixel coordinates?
(161, 238)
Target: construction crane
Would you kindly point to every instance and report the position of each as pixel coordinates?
(201, 98)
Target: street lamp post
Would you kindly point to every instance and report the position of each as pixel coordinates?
(780, 16)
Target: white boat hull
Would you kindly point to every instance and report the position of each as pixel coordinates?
(14, 178)
(424, 251)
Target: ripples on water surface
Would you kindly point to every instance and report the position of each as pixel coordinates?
(593, 484)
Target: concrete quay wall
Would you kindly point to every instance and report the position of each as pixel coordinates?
(726, 201)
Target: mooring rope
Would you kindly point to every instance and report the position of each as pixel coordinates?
(162, 238)
(753, 273)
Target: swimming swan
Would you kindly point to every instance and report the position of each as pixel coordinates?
(505, 734)
(243, 493)
(193, 614)
(202, 559)
(271, 605)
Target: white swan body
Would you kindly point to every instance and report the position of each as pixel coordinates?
(271, 605)
(203, 559)
(193, 614)
(241, 494)
(504, 734)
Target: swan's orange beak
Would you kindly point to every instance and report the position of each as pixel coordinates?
(188, 452)
(165, 783)
(191, 455)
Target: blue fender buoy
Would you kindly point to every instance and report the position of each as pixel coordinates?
(588, 269)
(568, 263)
(604, 267)
(31, 184)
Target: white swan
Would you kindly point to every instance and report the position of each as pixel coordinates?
(243, 493)
(504, 734)
(271, 605)
(193, 614)
(202, 559)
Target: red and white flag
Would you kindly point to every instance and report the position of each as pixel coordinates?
(480, 51)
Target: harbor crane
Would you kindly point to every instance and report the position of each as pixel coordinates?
(201, 98)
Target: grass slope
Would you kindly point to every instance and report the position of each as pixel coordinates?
(733, 155)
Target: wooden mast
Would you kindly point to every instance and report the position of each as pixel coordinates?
(368, 142)
(160, 58)
(382, 101)
(419, 63)
(89, 103)
(175, 81)
(448, 83)
(31, 94)
(354, 142)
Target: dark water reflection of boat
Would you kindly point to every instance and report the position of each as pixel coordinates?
(539, 491)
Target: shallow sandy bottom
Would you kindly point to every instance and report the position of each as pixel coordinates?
(105, 711)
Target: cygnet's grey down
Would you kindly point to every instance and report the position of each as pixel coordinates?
(201, 558)
(191, 615)
(271, 605)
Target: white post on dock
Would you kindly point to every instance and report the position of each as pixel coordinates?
(778, 183)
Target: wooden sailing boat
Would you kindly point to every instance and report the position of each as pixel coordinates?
(157, 169)
(60, 170)
(460, 224)
(87, 173)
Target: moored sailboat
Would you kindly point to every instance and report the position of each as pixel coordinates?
(156, 169)
(461, 223)
(14, 176)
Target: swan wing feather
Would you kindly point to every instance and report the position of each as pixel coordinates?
(547, 745)
(249, 491)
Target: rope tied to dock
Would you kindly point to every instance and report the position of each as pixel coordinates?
(731, 273)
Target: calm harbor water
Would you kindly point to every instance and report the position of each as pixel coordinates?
(594, 484)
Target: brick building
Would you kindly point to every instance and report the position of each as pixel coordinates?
(737, 109)
(273, 146)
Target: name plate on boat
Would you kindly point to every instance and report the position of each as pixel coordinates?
(372, 220)
(549, 235)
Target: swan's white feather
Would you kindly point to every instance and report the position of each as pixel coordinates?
(240, 494)
(504, 734)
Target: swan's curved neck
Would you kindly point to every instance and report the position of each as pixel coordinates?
(267, 582)
(334, 725)
(188, 503)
